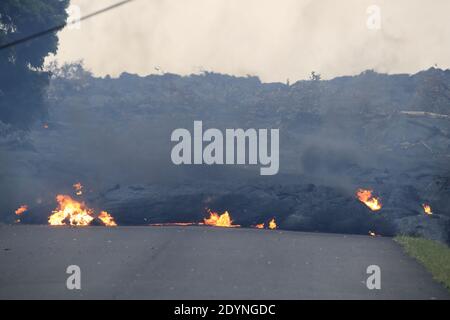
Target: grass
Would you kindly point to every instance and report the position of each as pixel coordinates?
(433, 255)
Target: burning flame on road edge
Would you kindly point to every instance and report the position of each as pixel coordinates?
(75, 213)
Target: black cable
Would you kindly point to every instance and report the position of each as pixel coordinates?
(62, 26)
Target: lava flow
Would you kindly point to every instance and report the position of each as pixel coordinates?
(173, 224)
(21, 209)
(366, 197)
(75, 213)
(216, 220)
(427, 209)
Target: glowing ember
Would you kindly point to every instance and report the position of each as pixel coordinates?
(75, 213)
(272, 224)
(21, 209)
(366, 197)
(427, 209)
(78, 188)
(107, 220)
(216, 220)
(259, 226)
(169, 224)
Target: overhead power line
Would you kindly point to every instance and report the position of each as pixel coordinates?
(62, 26)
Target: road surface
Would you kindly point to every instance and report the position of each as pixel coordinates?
(204, 263)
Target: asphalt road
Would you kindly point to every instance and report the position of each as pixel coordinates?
(204, 263)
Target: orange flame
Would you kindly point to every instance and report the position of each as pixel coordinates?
(216, 220)
(75, 213)
(21, 209)
(107, 219)
(272, 224)
(427, 209)
(78, 188)
(366, 197)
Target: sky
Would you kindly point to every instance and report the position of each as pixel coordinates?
(273, 39)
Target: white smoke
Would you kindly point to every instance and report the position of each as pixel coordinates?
(274, 39)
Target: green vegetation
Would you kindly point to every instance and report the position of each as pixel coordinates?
(433, 255)
(22, 79)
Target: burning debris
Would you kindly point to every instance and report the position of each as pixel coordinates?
(78, 188)
(75, 213)
(272, 224)
(222, 220)
(107, 219)
(427, 209)
(366, 197)
(21, 209)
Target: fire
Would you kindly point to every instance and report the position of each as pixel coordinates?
(106, 218)
(366, 197)
(21, 209)
(272, 224)
(173, 224)
(372, 234)
(75, 213)
(78, 188)
(216, 220)
(427, 209)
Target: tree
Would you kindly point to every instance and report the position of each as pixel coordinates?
(315, 76)
(22, 79)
